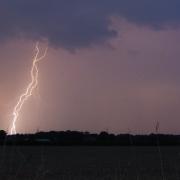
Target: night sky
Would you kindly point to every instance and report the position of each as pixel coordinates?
(111, 65)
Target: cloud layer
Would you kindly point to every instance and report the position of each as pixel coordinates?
(81, 23)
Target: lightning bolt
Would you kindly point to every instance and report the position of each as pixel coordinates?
(29, 90)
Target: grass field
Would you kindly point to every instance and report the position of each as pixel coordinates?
(89, 163)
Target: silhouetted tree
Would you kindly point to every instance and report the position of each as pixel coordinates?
(86, 138)
(2, 136)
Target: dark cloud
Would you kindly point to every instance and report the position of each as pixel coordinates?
(74, 24)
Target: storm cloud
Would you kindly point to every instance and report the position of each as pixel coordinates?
(81, 23)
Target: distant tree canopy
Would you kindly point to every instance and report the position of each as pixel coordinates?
(68, 138)
(2, 135)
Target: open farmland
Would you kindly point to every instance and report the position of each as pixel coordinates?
(89, 163)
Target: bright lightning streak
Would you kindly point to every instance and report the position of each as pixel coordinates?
(28, 92)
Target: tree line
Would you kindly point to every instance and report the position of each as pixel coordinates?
(70, 138)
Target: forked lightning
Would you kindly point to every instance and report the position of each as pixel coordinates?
(29, 90)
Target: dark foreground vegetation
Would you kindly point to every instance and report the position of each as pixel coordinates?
(85, 138)
(86, 156)
(89, 163)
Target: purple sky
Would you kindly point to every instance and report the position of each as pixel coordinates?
(109, 66)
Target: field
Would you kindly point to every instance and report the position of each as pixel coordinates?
(89, 163)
